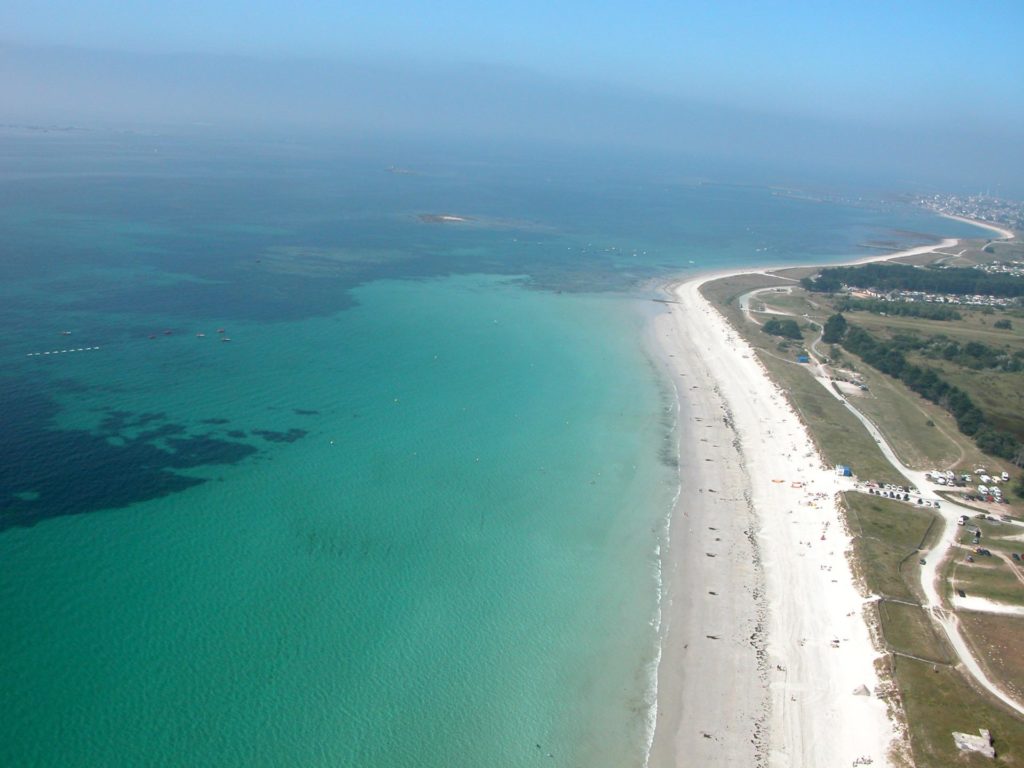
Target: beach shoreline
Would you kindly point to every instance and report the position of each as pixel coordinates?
(767, 656)
(1004, 234)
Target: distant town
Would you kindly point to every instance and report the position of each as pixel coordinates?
(976, 300)
(1006, 213)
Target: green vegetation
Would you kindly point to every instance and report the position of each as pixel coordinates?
(1003, 324)
(903, 277)
(725, 292)
(992, 376)
(936, 698)
(937, 701)
(835, 328)
(996, 638)
(887, 534)
(898, 308)
(785, 327)
(922, 436)
(989, 576)
(975, 355)
(908, 630)
(888, 357)
(839, 436)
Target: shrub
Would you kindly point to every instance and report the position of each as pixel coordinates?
(835, 327)
(787, 328)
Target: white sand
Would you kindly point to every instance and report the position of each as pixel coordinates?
(1004, 234)
(770, 669)
(819, 651)
(984, 605)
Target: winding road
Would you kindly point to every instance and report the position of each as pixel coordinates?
(948, 513)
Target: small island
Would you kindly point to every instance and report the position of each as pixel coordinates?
(443, 218)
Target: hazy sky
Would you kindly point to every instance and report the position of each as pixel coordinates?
(922, 78)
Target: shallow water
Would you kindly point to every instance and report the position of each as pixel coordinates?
(409, 514)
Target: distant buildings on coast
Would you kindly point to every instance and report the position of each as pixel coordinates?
(1005, 213)
(976, 300)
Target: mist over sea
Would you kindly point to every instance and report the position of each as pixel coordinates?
(293, 473)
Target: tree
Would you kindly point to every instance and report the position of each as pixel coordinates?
(786, 328)
(835, 328)
(1003, 324)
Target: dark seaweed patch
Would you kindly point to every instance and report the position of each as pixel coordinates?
(47, 472)
(304, 412)
(235, 433)
(280, 437)
(215, 421)
(118, 421)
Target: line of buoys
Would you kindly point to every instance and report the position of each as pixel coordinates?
(61, 351)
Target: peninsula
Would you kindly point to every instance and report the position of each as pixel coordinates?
(778, 648)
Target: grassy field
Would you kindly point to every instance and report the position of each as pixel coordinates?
(936, 697)
(975, 326)
(908, 631)
(724, 293)
(937, 701)
(922, 433)
(991, 577)
(839, 436)
(924, 438)
(998, 641)
(999, 394)
(887, 535)
(795, 303)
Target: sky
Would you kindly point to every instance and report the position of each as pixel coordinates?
(912, 81)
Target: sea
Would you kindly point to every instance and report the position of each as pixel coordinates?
(327, 455)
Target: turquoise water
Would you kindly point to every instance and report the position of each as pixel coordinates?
(402, 585)
(408, 515)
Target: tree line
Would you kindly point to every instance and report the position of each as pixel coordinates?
(970, 420)
(903, 277)
(927, 311)
(784, 327)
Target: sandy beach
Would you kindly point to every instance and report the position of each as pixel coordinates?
(1004, 234)
(767, 656)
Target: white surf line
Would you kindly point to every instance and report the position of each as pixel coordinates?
(61, 351)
